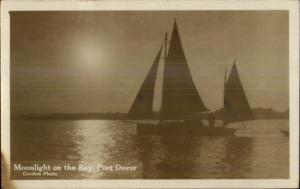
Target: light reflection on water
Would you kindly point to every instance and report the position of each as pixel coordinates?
(260, 151)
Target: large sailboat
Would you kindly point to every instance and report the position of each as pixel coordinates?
(181, 100)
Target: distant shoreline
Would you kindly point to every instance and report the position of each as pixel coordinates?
(259, 113)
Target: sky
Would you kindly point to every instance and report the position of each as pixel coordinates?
(81, 62)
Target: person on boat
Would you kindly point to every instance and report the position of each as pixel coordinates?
(211, 119)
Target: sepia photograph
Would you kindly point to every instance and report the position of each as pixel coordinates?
(150, 94)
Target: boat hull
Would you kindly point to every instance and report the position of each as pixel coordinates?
(182, 129)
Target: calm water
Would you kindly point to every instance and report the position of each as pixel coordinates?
(259, 151)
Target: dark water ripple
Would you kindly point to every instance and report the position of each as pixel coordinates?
(260, 151)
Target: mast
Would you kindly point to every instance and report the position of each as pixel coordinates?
(166, 45)
(224, 96)
(165, 56)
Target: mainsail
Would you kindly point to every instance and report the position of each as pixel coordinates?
(236, 105)
(180, 96)
(142, 106)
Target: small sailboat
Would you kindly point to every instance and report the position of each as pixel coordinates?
(236, 105)
(181, 100)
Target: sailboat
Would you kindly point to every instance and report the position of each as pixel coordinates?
(180, 98)
(235, 103)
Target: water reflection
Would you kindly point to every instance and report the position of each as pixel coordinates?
(238, 154)
(193, 157)
(263, 153)
(167, 157)
(105, 143)
(43, 141)
(178, 158)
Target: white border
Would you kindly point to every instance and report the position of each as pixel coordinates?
(292, 6)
